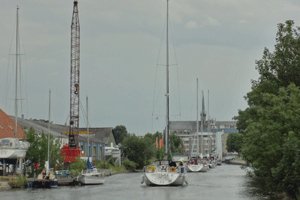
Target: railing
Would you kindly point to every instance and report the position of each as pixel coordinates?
(63, 173)
(163, 168)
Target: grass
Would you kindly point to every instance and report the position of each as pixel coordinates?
(18, 181)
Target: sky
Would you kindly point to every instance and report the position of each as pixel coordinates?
(123, 57)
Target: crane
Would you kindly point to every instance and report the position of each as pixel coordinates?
(75, 78)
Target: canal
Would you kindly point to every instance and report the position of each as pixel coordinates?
(223, 182)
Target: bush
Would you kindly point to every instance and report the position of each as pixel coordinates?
(129, 165)
(111, 161)
(78, 166)
(102, 165)
(18, 182)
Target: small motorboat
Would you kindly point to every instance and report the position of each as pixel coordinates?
(91, 176)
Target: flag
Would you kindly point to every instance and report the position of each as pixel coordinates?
(161, 143)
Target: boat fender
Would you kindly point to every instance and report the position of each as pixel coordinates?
(150, 169)
(142, 179)
(172, 169)
(153, 169)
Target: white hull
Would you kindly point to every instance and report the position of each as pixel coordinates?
(91, 180)
(205, 168)
(194, 168)
(212, 165)
(165, 178)
(12, 153)
(12, 148)
(91, 177)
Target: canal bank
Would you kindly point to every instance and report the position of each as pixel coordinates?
(4, 186)
(62, 181)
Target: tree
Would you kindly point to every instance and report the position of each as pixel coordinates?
(120, 132)
(176, 144)
(38, 150)
(138, 150)
(33, 152)
(234, 142)
(77, 166)
(273, 114)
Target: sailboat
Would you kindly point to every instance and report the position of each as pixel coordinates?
(164, 173)
(91, 176)
(194, 164)
(46, 179)
(12, 148)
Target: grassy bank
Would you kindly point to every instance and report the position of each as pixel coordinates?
(18, 181)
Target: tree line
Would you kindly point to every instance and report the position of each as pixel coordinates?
(143, 150)
(269, 138)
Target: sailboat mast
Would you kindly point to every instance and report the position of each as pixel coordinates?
(87, 127)
(49, 117)
(202, 124)
(167, 94)
(16, 86)
(197, 132)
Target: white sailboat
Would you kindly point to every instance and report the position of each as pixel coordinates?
(13, 148)
(195, 165)
(161, 173)
(48, 179)
(91, 176)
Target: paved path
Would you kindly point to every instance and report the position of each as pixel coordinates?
(4, 185)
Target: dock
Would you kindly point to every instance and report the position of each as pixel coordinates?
(62, 181)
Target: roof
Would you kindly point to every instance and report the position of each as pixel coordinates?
(102, 134)
(99, 135)
(7, 127)
(191, 125)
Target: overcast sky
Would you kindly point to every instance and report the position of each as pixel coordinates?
(122, 41)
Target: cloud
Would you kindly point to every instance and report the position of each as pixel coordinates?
(191, 25)
(212, 22)
(243, 21)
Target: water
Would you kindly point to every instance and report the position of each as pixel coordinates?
(223, 182)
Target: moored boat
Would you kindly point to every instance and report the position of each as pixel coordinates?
(91, 177)
(165, 173)
(162, 174)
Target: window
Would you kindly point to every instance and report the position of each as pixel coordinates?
(5, 143)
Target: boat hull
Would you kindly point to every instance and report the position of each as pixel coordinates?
(91, 180)
(205, 168)
(164, 179)
(12, 153)
(194, 168)
(44, 183)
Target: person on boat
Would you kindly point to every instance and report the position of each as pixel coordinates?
(196, 161)
(172, 163)
(180, 163)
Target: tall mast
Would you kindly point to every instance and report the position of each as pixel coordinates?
(16, 86)
(74, 80)
(197, 132)
(49, 117)
(167, 94)
(87, 127)
(202, 123)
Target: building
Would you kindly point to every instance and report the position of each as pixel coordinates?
(186, 130)
(97, 145)
(7, 127)
(224, 145)
(12, 150)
